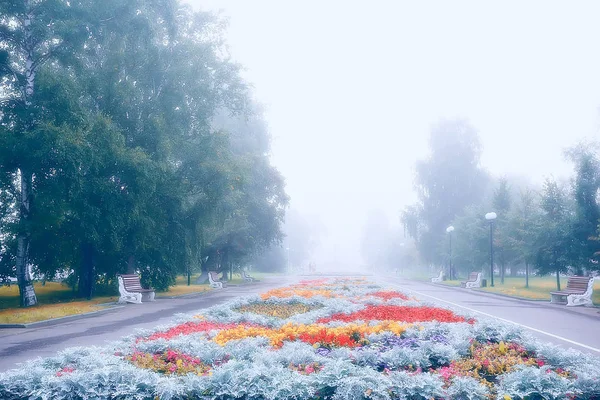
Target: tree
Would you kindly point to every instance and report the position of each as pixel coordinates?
(448, 181)
(301, 236)
(470, 245)
(375, 239)
(584, 226)
(115, 138)
(33, 33)
(502, 204)
(251, 214)
(523, 228)
(554, 242)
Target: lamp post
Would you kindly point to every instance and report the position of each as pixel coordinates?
(491, 216)
(449, 231)
(288, 260)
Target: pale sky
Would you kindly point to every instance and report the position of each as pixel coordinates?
(351, 89)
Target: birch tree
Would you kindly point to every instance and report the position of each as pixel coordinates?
(32, 34)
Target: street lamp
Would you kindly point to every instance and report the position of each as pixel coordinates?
(491, 216)
(449, 231)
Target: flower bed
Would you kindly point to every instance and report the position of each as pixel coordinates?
(322, 339)
(281, 310)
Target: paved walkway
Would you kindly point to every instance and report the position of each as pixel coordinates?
(19, 344)
(576, 327)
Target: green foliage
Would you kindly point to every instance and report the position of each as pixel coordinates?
(470, 246)
(503, 246)
(131, 171)
(584, 224)
(449, 180)
(554, 240)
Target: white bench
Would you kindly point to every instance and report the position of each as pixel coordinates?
(473, 281)
(247, 277)
(131, 290)
(438, 278)
(214, 280)
(578, 292)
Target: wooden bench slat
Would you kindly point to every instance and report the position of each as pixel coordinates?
(576, 292)
(131, 289)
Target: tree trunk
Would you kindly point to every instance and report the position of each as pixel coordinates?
(502, 272)
(557, 278)
(87, 276)
(189, 274)
(27, 297)
(526, 275)
(131, 264)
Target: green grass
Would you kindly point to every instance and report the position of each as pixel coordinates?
(43, 312)
(539, 287)
(257, 275)
(181, 280)
(58, 300)
(51, 293)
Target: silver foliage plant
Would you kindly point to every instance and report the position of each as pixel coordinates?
(388, 367)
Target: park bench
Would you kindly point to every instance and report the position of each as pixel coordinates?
(215, 282)
(577, 293)
(473, 281)
(247, 277)
(131, 290)
(438, 278)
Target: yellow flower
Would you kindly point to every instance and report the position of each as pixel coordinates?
(502, 348)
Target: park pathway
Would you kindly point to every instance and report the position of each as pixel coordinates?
(20, 344)
(575, 327)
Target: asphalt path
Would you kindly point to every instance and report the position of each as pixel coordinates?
(568, 327)
(20, 344)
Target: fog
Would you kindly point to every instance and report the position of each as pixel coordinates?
(352, 88)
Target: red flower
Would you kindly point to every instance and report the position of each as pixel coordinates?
(387, 295)
(397, 313)
(189, 328)
(65, 370)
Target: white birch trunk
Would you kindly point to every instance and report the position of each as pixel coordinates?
(24, 277)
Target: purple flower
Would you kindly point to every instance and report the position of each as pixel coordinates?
(323, 351)
(439, 339)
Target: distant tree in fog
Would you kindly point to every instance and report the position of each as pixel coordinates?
(375, 240)
(449, 180)
(501, 204)
(554, 241)
(523, 228)
(584, 227)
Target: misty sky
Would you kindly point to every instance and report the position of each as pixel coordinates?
(351, 89)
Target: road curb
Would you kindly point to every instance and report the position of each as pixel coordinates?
(60, 320)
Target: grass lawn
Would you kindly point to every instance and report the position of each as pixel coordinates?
(57, 300)
(539, 287)
(52, 292)
(182, 288)
(43, 312)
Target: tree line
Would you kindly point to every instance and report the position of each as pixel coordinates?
(128, 142)
(549, 229)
